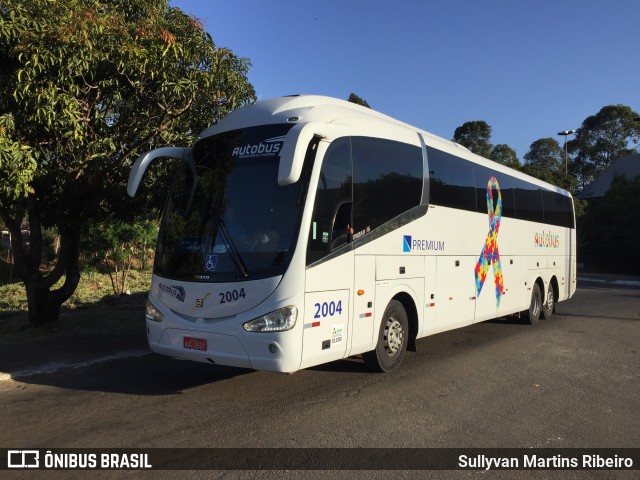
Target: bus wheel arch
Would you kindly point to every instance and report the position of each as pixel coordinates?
(412, 316)
(550, 299)
(393, 338)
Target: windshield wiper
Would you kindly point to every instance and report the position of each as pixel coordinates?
(231, 248)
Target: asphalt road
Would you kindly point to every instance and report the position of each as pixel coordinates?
(571, 381)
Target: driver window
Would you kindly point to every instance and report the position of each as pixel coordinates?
(332, 209)
(342, 230)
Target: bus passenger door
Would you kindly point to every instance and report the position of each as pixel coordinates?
(327, 311)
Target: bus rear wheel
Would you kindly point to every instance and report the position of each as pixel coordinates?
(547, 306)
(533, 314)
(392, 340)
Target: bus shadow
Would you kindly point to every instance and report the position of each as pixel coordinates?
(471, 334)
(156, 375)
(508, 320)
(149, 374)
(353, 364)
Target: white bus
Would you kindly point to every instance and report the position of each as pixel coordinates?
(306, 229)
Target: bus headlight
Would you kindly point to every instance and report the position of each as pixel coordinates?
(278, 321)
(152, 313)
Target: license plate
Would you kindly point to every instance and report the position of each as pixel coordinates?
(195, 343)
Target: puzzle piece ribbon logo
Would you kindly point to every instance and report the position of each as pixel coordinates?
(490, 253)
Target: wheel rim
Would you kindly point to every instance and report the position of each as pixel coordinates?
(393, 336)
(550, 301)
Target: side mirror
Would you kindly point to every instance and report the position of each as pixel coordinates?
(295, 148)
(143, 161)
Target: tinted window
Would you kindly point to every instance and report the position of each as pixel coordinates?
(458, 183)
(332, 206)
(451, 181)
(558, 209)
(505, 182)
(387, 181)
(528, 201)
(214, 228)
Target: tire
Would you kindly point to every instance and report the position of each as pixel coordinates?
(533, 314)
(549, 304)
(392, 340)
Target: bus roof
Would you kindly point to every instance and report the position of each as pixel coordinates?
(302, 108)
(316, 108)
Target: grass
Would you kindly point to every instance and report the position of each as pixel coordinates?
(93, 308)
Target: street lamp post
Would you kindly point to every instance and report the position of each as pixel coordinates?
(566, 133)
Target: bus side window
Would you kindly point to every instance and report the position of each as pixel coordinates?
(528, 201)
(452, 181)
(334, 190)
(342, 231)
(387, 181)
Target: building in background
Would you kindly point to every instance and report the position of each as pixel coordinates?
(608, 240)
(628, 167)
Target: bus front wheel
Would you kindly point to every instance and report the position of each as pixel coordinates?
(392, 340)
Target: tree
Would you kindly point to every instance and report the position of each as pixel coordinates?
(545, 161)
(476, 136)
(545, 154)
(353, 98)
(609, 229)
(603, 137)
(17, 161)
(505, 155)
(116, 244)
(85, 87)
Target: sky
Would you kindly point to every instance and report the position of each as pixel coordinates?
(528, 68)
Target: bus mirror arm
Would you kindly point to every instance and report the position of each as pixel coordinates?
(143, 161)
(295, 148)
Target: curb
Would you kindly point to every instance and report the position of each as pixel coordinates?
(620, 283)
(52, 367)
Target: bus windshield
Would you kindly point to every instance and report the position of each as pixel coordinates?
(230, 220)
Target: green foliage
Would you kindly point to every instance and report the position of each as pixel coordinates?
(505, 155)
(610, 134)
(91, 308)
(476, 136)
(554, 177)
(353, 98)
(96, 81)
(17, 163)
(580, 208)
(609, 229)
(545, 154)
(85, 87)
(116, 244)
(12, 298)
(545, 160)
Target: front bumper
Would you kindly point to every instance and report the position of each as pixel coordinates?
(259, 351)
